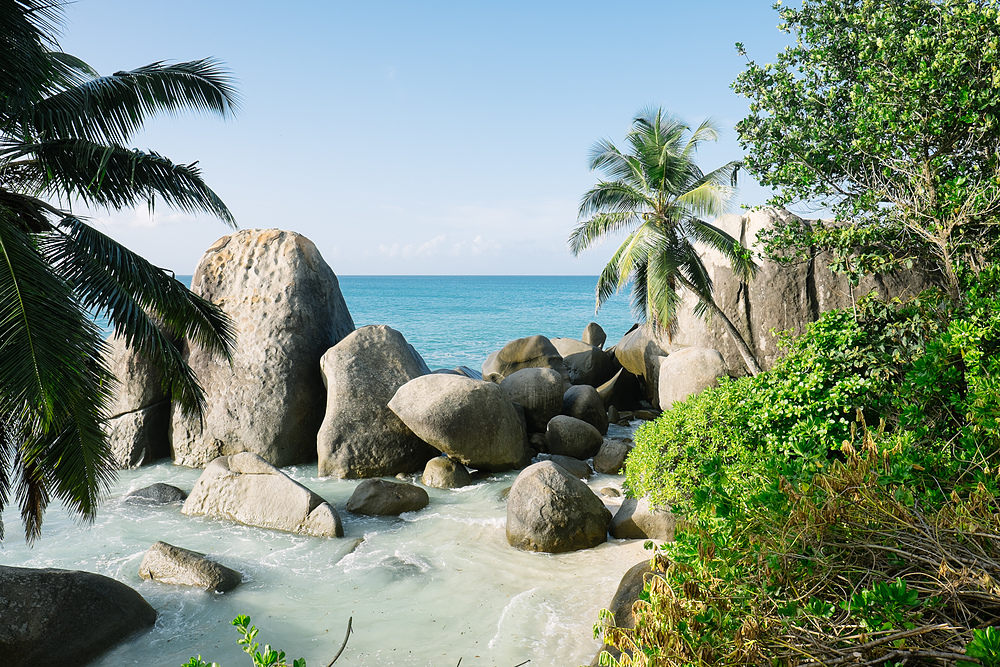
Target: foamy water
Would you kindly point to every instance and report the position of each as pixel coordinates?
(427, 588)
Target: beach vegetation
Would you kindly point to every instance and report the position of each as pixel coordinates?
(64, 133)
(658, 197)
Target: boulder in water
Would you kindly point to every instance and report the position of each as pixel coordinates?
(157, 494)
(173, 565)
(569, 436)
(584, 363)
(611, 457)
(472, 421)
(550, 510)
(65, 617)
(286, 306)
(636, 520)
(528, 352)
(247, 489)
(378, 497)
(360, 436)
(139, 422)
(576, 467)
(539, 391)
(443, 473)
(584, 403)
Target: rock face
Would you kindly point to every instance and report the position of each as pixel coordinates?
(529, 352)
(689, 371)
(569, 436)
(157, 494)
(539, 391)
(377, 497)
(639, 352)
(139, 423)
(287, 308)
(472, 421)
(172, 565)
(584, 363)
(585, 403)
(247, 489)
(594, 335)
(64, 617)
(443, 473)
(360, 436)
(611, 457)
(781, 297)
(635, 520)
(550, 510)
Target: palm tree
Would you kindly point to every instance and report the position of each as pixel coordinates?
(63, 136)
(659, 196)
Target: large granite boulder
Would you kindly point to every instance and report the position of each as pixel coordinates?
(443, 473)
(529, 352)
(360, 436)
(379, 497)
(157, 494)
(594, 335)
(472, 421)
(286, 305)
(639, 352)
(539, 391)
(64, 617)
(138, 425)
(782, 297)
(585, 403)
(173, 565)
(247, 489)
(689, 371)
(610, 459)
(550, 510)
(626, 595)
(636, 520)
(624, 390)
(584, 363)
(569, 436)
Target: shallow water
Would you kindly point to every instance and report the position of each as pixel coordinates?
(425, 589)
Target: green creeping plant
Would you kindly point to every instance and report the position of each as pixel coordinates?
(268, 657)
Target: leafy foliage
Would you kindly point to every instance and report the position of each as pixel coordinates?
(62, 135)
(659, 198)
(268, 657)
(888, 113)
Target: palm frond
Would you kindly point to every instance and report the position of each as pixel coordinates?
(612, 279)
(708, 131)
(599, 226)
(707, 199)
(111, 109)
(614, 197)
(114, 177)
(740, 258)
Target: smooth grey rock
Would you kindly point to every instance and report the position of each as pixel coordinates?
(613, 415)
(576, 467)
(472, 421)
(539, 391)
(360, 436)
(611, 457)
(138, 424)
(583, 402)
(646, 415)
(611, 492)
(569, 436)
(635, 520)
(173, 565)
(584, 363)
(528, 352)
(65, 617)
(460, 370)
(247, 489)
(623, 391)
(286, 306)
(378, 497)
(639, 353)
(626, 595)
(550, 510)
(158, 493)
(689, 371)
(443, 473)
(594, 335)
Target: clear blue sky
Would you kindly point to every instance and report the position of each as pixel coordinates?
(421, 137)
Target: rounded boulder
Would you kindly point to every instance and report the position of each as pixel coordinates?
(528, 352)
(378, 497)
(569, 436)
(443, 473)
(539, 391)
(584, 403)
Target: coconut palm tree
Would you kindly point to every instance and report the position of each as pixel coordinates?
(63, 136)
(658, 195)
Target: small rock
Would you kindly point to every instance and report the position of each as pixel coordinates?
(613, 415)
(636, 520)
(583, 402)
(378, 497)
(569, 436)
(611, 492)
(443, 473)
(576, 467)
(158, 493)
(173, 565)
(610, 459)
(594, 335)
(646, 415)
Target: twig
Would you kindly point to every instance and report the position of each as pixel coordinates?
(522, 664)
(344, 645)
(459, 663)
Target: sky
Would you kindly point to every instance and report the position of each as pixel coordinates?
(420, 137)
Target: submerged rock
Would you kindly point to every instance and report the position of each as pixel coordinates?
(360, 436)
(158, 493)
(472, 421)
(550, 510)
(173, 565)
(65, 617)
(247, 489)
(443, 473)
(378, 497)
(286, 306)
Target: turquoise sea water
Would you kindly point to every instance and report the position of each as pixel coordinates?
(460, 320)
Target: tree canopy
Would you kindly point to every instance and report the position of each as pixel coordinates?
(888, 114)
(63, 136)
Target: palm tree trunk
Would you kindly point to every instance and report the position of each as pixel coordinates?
(751, 362)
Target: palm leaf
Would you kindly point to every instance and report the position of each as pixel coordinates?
(740, 258)
(614, 197)
(590, 231)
